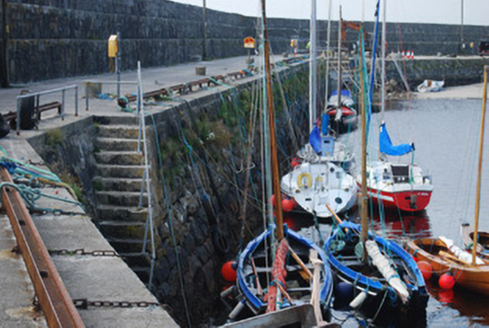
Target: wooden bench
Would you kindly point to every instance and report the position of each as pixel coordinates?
(11, 117)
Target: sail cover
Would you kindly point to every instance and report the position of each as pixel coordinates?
(324, 126)
(386, 146)
(315, 139)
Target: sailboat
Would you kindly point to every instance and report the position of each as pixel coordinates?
(289, 283)
(390, 283)
(340, 109)
(321, 177)
(397, 186)
(468, 270)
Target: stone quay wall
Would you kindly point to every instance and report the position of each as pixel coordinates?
(50, 39)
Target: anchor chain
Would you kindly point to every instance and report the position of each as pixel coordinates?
(82, 251)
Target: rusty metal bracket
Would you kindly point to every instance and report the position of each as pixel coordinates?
(53, 297)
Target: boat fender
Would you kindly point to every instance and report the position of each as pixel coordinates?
(358, 301)
(227, 292)
(300, 178)
(237, 310)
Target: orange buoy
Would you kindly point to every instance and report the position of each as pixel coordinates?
(287, 205)
(228, 271)
(446, 295)
(446, 281)
(426, 269)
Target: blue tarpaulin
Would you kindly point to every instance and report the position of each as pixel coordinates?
(315, 139)
(386, 146)
(324, 126)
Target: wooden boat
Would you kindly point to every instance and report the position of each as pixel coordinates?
(443, 260)
(288, 282)
(391, 275)
(469, 271)
(482, 239)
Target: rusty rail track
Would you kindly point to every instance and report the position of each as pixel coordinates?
(53, 297)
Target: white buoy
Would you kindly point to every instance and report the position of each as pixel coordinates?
(358, 301)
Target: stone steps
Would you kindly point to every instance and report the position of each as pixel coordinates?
(121, 198)
(118, 131)
(117, 144)
(127, 229)
(126, 245)
(120, 171)
(122, 213)
(119, 158)
(118, 184)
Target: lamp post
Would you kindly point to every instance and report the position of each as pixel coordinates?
(204, 32)
(3, 56)
(462, 26)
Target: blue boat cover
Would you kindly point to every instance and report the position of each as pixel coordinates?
(325, 123)
(315, 139)
(344, 93)
(386, 146)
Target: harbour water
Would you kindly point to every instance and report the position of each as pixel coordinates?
(446, 137)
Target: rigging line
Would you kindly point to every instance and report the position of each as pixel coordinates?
(410, 119)
(169, 211)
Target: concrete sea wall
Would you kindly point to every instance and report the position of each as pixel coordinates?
(62, 38)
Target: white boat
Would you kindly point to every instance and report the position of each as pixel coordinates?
(430, 86)
(314, 186)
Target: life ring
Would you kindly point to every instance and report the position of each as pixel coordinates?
(309, 180)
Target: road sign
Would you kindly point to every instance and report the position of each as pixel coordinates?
(249, 43)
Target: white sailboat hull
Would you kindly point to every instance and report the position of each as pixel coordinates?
(315, 185)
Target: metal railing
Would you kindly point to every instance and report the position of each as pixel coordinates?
(149, 228)
(118, 83)
(37, 95)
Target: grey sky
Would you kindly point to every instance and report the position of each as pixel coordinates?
(476, 12)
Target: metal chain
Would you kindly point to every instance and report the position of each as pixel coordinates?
(83, 303)
(82, 251)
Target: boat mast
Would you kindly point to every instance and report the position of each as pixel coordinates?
(363, 205)
(312, 68)
(275, 175)
(339, 61)
(327, 58)
(384, 29)
(479, 173)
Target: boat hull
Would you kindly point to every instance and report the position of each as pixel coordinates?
(408, 201)
(382, 299)
(472, 277)
(245, 273)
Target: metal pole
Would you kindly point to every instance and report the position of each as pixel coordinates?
(363, 202)
(76, 101)
(384, 42)
(63, 105)
(118, 63)
(86, 96)
(18, 116)
(312, 68)
(4, 57)
(326, 92)
(462, 26)
(204, 32)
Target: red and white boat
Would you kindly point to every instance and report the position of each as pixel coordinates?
(342, 115)
(398, 186)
